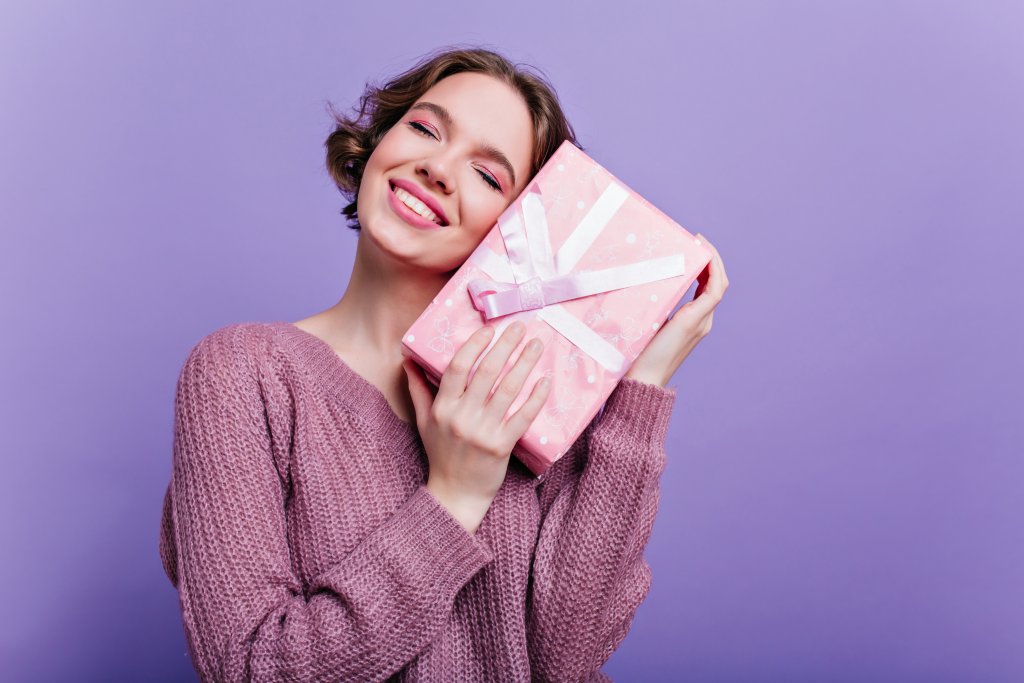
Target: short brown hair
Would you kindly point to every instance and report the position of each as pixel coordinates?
(354, 138)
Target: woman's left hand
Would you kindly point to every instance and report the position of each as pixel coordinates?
(677, 338)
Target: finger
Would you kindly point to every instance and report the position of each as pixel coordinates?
(702, 276)
(527, 413)
(711, 287)
(512, 383)
(490, 367)
(721, 269)
(419, 389)
(702, 281)
(453, 379)
(721, 280)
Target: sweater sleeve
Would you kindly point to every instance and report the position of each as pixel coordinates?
(245, 613)
(589, 574)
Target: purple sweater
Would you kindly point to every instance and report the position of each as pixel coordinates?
(304, 544)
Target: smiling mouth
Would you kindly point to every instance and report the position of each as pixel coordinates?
(437, 220)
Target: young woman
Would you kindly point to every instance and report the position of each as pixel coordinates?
(330, 518)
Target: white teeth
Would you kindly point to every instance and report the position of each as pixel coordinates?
(416, 205)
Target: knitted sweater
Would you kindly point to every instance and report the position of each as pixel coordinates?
(305, 546)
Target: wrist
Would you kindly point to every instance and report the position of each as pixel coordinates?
(467, 510)
(647, 378)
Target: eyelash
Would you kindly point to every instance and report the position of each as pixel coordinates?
(422, 130)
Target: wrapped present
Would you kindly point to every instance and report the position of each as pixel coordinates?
(591, 267)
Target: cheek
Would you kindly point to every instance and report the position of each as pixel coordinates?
(469, 236)
(379, 160)
(479, 214)
(481, 211)
(383, 153)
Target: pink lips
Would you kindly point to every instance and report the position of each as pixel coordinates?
(420, 194)
(410, 216)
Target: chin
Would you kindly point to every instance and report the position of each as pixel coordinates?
(393, 241)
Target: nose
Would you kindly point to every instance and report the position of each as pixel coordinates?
(436, 168)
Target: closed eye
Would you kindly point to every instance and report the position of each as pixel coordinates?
(423, 130)
(489, 180)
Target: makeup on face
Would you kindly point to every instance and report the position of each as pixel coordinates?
(407, 214)
(489, 151)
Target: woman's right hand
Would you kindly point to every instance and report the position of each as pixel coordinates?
(464, 431)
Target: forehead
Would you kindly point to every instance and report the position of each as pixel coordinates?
(486, 111)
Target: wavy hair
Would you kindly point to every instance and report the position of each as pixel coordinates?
(381, 106)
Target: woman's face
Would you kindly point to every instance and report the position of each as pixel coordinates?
(463, 149)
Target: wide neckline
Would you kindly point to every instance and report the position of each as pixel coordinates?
(330, 371)
(336, 377)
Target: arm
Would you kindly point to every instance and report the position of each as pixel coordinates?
(589, 575)
(244, 611)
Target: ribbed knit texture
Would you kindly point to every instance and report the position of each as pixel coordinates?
(305, 546)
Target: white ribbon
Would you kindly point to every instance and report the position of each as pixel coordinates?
(534, 279)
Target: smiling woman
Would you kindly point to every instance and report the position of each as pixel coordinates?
(355, 137)
(329, 517)
(455, 155)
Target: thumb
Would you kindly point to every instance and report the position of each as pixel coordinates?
(419, 390)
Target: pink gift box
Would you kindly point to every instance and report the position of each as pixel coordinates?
(591, 267)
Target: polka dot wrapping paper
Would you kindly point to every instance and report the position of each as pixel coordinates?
(575, 231)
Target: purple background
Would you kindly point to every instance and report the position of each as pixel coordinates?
(843, 499)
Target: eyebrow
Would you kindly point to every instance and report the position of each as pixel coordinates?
(488, 150)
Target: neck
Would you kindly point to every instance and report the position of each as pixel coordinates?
(381, 302)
